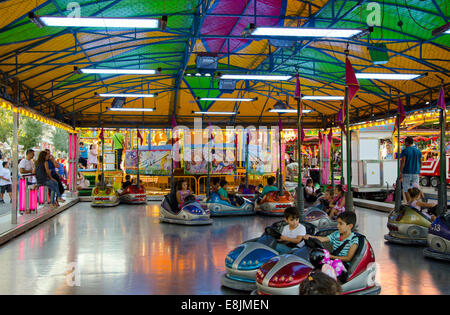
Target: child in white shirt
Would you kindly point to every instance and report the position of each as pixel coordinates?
(293, 233)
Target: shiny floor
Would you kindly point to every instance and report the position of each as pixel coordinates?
(125, 250)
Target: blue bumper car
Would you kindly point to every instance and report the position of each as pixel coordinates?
(219, 207)
(439, 239)
(191, 213)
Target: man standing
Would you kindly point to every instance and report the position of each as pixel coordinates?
(118, 139)
(26, 167)
(410, 164)
(83, 155)
(5, 182)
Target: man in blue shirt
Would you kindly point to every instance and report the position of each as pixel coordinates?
(83, 155)
(410, 164)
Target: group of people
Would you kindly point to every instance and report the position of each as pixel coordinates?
(45, 171)
(89, 157)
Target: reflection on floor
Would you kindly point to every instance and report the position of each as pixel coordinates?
(125, 250)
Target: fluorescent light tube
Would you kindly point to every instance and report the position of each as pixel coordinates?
(119, 71)
(256, 77)
(216, 113)
(136, 109)
(282, 111)
(126, 95)
(387, 76)
(305, 32)
(323, 97)
(99, 22)
(227, 99)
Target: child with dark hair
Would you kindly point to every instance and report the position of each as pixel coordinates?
(215, 185)
(319, 283)
(127, 182)
(223, 193)
(270, 186)
(343, 241)
(182, 192)
(293, 233)
(338, 205)
(310, 191)
(415, 195)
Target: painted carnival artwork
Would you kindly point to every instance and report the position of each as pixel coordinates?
(151, 162)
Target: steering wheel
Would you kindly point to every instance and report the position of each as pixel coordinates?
(314, 243)
(272, 232)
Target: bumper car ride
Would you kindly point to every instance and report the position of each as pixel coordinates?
(439, 239)
(275, 204)
(133, 195)
(219, 207)
(107, 197)
(407, 226)
(283, 274)
(243, 262)
(192, 213)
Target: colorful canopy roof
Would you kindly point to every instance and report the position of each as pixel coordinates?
(39, 62)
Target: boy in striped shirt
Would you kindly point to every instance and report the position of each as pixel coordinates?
(346, 221)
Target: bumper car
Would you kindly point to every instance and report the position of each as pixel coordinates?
(104, 197)
(407, 226)
(275, 204)
(133, 195)
(249, 193)
(439, 239)
(243, 262)
(282, 274)
(319, 219)
(219, 207)
(191, 213)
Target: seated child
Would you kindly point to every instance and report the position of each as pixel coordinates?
(215, 185)
(310, 191)
(326, 200)
(99, 180)
(318, 283)
(182, 192)
(338, 204)
(127, 182)
(343, 241)
(225, 196)
(270, 186)
(415, 202)
(82, 183)
(292, 233)
(242, 185)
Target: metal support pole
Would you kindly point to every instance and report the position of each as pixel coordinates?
(15, 160)
(342, 158)
(398, 184)
(300, 196)
(349, 194)
(442, 198)
(246, 160)
(137, 157)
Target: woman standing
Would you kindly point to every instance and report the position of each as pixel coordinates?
(44, 177)
(93, 156)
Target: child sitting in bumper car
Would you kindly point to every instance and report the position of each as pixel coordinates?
(310, 191)
(269, 188)
(430, 208)
(338, 205)
(293, 233)
(127, 182)
(344, 243)
(225, 196)
(183, 193)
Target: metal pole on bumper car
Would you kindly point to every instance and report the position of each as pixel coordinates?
(442, 197)
(398, 191)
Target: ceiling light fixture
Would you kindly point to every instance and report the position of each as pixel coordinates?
(323, 97)
(286, 111)
(227, 99)
(99, 22)
(256, 77)
(118, 71)
(387, 76)
(125, 95)
(132, 109)
(215, 113)
(305, 32)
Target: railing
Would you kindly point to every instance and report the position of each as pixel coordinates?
(31, 195)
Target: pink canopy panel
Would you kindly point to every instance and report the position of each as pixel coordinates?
(218, 25)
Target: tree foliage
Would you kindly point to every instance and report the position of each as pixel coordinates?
(30, 132)
(60, 139)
